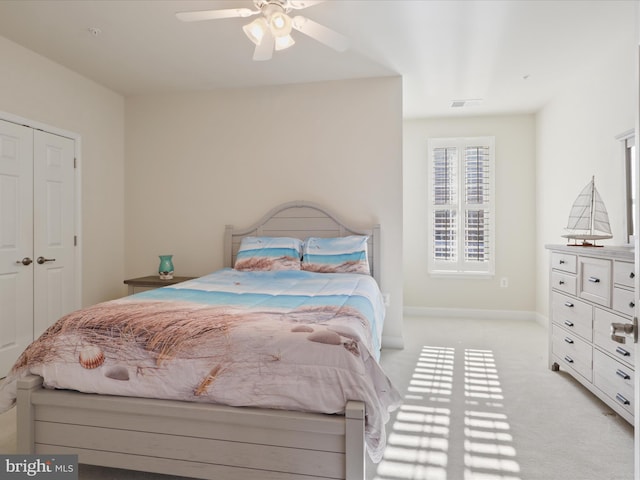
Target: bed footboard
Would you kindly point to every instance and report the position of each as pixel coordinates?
(190, 439)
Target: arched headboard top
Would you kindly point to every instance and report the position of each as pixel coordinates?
(301, 219)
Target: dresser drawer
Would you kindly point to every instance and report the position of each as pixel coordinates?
(572, 314)
(624, 301)
(564, 261)
(602, 321)
(594, 283)
(614, 379)
(572, 351)
(624, 273)
(564, 282)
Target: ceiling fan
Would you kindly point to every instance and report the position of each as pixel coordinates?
(272, 29)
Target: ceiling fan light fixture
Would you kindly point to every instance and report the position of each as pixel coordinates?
(272, 29)
(255, 30)
(280, 24)
(283, 43)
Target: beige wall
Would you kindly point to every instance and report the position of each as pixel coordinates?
(37, 89)
(515, 214)
(198, 161)
(576, 139)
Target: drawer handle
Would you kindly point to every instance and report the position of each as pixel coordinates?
(622, 352)
(568, 340)
(632, 275)
(632, 305)
(561, 282)
(568, 323)
(568, 359)
(568, 304)
(594, 279)
(622, 400)
(623, 374)
(561, 262)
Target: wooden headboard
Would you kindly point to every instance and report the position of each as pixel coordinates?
(302, 220)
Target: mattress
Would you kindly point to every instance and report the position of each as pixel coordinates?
(291, 340)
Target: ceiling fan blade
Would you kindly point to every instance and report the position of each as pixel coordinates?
(321, 33)
(215, 14)
(264, 50)
(300, 4)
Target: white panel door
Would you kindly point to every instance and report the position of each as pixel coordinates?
(54, 229)
(16, 242)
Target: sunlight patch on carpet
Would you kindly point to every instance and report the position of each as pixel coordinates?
(451, 430)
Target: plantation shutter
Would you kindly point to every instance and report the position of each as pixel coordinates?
(445, 200)
(461, 205)
(478, 193)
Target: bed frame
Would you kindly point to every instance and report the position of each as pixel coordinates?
(204, 440)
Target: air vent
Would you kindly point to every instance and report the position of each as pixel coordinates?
(469, 102)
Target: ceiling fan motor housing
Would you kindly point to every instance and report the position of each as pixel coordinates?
(269, 7)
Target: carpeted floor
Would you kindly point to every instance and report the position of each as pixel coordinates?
(480, 404)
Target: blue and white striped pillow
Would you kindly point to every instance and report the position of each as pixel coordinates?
(336, 255)
(269, 253)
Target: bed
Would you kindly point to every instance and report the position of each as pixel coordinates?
(204, 440)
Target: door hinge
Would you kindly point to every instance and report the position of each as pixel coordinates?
(75, 240)
(75, 162)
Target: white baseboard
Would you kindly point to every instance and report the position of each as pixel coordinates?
(542, 320)
(474, 313)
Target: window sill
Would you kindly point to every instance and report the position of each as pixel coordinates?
(462, 275)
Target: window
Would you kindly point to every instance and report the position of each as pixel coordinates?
(461, 205)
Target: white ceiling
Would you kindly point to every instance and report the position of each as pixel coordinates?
(513, 54)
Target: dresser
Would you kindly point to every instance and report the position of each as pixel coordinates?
(591, 288)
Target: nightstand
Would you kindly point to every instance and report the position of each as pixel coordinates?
(141, 284)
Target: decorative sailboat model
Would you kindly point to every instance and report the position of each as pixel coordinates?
(589, 215)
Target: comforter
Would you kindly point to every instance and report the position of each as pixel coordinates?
(290, 340)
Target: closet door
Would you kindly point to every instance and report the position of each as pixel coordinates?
(54, 229)
(16, 242)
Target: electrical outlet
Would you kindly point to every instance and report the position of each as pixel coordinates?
(504, 282)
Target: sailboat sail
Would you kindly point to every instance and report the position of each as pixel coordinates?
(589, 214)
(580, 215)
(600, 216)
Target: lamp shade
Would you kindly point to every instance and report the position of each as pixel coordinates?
(280, 24)
(256, 30)
(284, 42)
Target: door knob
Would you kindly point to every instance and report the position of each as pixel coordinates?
(25, 261)
(42, 260)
